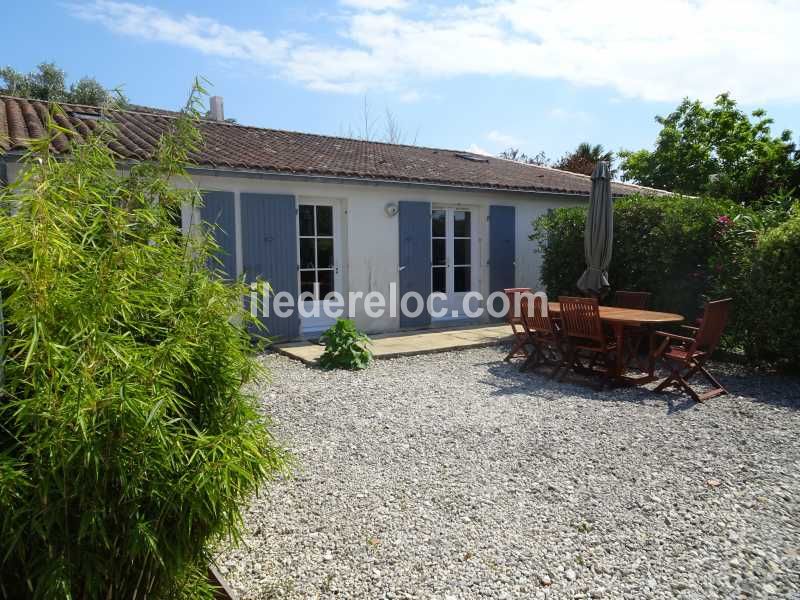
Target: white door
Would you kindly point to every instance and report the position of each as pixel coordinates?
(319, 255)
(453, 250)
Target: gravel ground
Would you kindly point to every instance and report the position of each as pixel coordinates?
(454, 476)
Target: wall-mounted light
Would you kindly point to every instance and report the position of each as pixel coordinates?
(391, 209)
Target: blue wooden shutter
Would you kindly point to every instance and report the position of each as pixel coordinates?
(269, 252)
(502, 248)
(415, 257)
(219, 212)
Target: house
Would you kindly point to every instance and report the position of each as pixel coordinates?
(316, 214)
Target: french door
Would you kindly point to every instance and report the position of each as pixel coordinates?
(452, 252)
(319, 256)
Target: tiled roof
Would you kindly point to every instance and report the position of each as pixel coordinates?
(237, 147)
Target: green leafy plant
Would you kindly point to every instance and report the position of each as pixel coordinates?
(48, 82)
(661, 244)
(773, 316)
(718, 151)
(127, 444)
(687, 250)
(345, 347)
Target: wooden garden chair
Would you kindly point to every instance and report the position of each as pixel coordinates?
(634, 335)
(515, 320)
(628, 299)
(686, 356)
(543, 334)
(583, 335)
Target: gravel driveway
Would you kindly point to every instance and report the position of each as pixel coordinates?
(454, 476)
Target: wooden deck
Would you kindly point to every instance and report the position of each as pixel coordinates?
(392, 345)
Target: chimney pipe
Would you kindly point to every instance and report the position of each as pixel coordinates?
(216, 112)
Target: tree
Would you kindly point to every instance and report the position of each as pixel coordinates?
(48, 82)
(368, 128)
(517, 155)
(584, 158)
(717, 151)
(88, 91)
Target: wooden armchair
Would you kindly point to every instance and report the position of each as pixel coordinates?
(583, 335)
(513, 319)
(543, 335)
(686, 356)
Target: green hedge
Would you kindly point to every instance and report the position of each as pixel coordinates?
(661, 245)
(686, 250)
(773, 319)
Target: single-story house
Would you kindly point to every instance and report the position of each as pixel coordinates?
(299, 209)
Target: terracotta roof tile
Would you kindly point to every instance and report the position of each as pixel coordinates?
(232, 146)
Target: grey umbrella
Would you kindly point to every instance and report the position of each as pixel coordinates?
(599, 235)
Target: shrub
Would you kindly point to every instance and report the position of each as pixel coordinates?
(774, 318)
(661, 245)
(127, 446)
(687, 250)
(345, 347)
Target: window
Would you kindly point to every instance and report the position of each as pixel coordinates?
(317, 261)
(451, 251)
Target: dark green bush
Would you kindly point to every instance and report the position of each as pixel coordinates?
(127, 446)
(345, 347)
(773, 320)
(687, 250)
(661, 245)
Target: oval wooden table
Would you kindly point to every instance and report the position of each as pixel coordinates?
(620, 318)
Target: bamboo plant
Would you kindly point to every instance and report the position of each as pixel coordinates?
(127, 444)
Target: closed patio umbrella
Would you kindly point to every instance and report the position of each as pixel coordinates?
(599, 235)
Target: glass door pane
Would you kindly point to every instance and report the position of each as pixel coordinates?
(317, 260)
(462, 251)
(439, 251)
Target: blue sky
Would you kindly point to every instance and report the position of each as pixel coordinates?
(481, 75)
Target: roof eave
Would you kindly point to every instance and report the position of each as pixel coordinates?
(360, 180)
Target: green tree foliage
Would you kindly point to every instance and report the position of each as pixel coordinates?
(48, 82)
(127, 443)
(584, 158)
(718, 151)
(345, 347)
(581, 160)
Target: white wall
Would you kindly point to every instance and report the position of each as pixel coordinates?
(370, 238)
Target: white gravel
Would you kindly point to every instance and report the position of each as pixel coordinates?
(454, 476)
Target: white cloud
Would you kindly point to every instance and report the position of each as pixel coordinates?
(198, 33)
(656, 51)
(503, 139)
(376, 5)
(475, 149)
